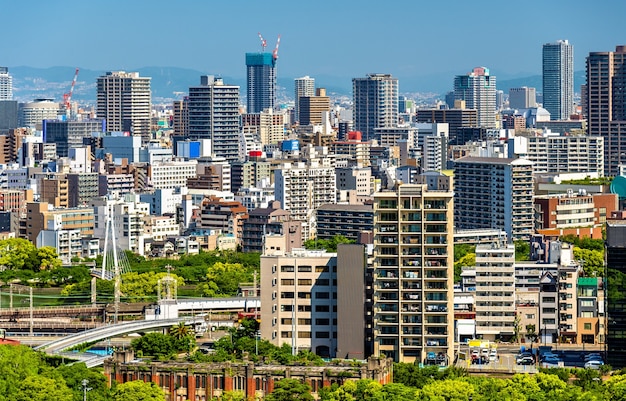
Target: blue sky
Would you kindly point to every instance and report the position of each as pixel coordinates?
(334, 38)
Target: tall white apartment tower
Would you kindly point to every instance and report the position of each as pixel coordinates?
(558, 79)
(124, 101)
(478, 90)
(6, 84)
(414, 273)
(495, 290)
(304, 86)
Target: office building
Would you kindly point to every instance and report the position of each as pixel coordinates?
(558, 79)
(346, 220)
(32, 114)
(606, 104)
(615, 251)
(313, 300)
(261, 68)
(40, 216)
(70, 134)
(497, 193)
(180, 117)
(304, 86)
(478, 90)
(375, 103)
(214, 114)
(6, 84)
(266, 127)
(522, 98)
(314, 110)
(413, 274)
(124, 101)
(172, 174)
(82, 188)
(8, 115)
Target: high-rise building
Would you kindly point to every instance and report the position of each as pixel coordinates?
(606, 104)
(491, 192)
(314, 110)
(303, 187)
(6, 84)
(478, 90)
(70, 134)
(522, 98)
(413, 274)
(558, 79)
(495, 290)
(214, 114)
(375, 103)
(261, 81)
(124, 101)
(304, 86)
(616, 299)
(32, 114)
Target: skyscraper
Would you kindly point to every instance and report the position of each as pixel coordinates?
(213, 110)
(6, 84)
(304, 86)
(375, 103)
(124, 101)
(261, 81)
(413, 273)
(558, 79)
(478, 89)
(606, 104)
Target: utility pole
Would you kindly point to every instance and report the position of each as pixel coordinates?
(31, 311)
(85, 382)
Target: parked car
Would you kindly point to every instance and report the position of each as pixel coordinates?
(593, 364)
(523, 355)
(493, 355)
(526, 360)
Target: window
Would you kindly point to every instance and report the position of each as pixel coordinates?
(321, 269)
(322, 334)
(286, 320)
(286, 269)
(322, 295)
(304, 334)
(287, 281)
(286, 294)
(322, 308)
(285, 334)
(305, 281)
(586, 302)
(304, 308)
(303, 321)
(322, 281)
(305, 269)
(530, 316)
(587, 326)
(322, 322)
(304, 295)
(286, 308)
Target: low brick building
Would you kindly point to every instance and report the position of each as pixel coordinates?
(203, 381)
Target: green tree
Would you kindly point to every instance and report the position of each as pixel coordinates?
(17, 253)
(141, 286)
(236, 395)
(138, 391)
(47, 258)
(290, 389)
(16, 364)
(468, 259)
(448, 390)
(522, 250)
(593, 261)
(328, 244)
(75, 373)
(180, 331)
(155, 344)
(223, 279)
(40, 388)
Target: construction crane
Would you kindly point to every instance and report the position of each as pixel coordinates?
(67, 97)
(263, 42)
(275, 52)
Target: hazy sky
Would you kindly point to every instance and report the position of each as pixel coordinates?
(338, 38)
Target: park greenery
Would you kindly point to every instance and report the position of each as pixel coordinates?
(330, 245)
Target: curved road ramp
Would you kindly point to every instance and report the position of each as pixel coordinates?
(57, 347)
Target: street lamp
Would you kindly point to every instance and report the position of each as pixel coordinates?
(85, 382)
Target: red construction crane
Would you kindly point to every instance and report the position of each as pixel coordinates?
(263, 42)
(275, 52)
(67, 97)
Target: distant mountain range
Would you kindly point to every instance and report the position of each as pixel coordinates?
(170, 83)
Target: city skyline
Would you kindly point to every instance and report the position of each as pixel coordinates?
(422, 42)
